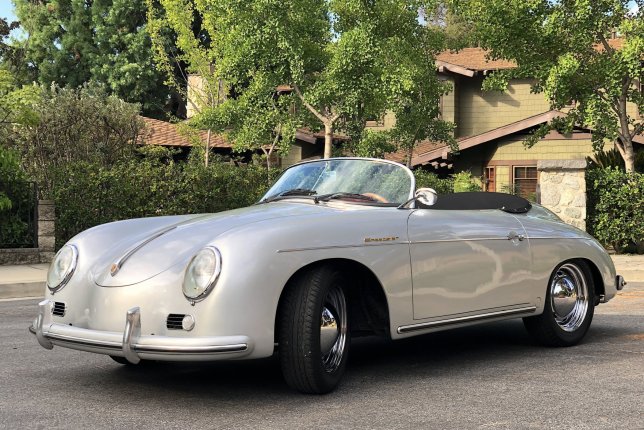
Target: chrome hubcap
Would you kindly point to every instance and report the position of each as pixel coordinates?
(569, 297)
(333, 329)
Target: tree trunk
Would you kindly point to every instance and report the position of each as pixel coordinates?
(629, 156)
(328, 139)
(207, 147)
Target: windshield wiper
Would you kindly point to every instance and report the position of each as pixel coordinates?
(294, 192)
(355, 196)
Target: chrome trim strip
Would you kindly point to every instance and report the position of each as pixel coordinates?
(405, 242)
(161, 349)
(192, 349)
(469, 318)
(362, 245)
(121, 261)
(558, 238)
(79, 341)
(472, 239)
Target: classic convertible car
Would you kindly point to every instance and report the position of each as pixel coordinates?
(336, 248)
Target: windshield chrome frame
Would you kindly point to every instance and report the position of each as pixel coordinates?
(377, 160)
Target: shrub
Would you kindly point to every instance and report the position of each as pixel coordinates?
(70, 125)
(425, 179)
(464, 182)
(17, 202)
(616, 208)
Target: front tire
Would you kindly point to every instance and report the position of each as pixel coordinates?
(314, 335)
(569, 306)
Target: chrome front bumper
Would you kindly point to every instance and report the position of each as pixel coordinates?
(131, 345)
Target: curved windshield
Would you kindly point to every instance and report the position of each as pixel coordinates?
(358, 180)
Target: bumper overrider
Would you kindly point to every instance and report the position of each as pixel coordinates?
(131, 344)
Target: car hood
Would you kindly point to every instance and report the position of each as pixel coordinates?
(160, 246)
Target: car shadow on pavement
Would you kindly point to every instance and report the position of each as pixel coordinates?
(373, 361)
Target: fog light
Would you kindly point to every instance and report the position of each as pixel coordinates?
(188, 322)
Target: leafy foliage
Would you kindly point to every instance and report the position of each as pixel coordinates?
(17, 202)
(342, 62)
(88, 193)
(612, 158)
(72, 42)
(616, 208)
(15, 105)
(425, 179)
(68, 125)
(566, 46)
(464, 182)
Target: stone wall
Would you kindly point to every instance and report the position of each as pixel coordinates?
(45, 250)
(563, 189)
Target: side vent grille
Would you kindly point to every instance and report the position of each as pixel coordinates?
(59, 309)
(175, 321)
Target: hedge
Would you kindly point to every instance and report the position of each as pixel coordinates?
(87, 194)
(616, 208)
(17, 203)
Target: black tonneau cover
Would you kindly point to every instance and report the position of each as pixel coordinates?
(479, 201)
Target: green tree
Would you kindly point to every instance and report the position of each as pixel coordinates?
(71, 42)
(16, 105)
(566, 46)
(415, 91)
(334, 56)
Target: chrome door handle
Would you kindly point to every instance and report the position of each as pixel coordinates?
(513, 235)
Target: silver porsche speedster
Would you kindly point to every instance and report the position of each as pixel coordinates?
(336, 248)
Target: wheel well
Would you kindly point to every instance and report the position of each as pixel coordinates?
(368, 309)
(598, 281)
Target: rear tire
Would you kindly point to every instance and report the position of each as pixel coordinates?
(314, 334)
(569, 306)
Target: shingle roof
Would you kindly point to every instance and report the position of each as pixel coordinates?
(476, 58)
(422, 148)
(165, 133)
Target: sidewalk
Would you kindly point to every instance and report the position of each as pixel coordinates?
(29, 280)
(23, 281)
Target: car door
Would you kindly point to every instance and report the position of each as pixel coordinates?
(467, 262)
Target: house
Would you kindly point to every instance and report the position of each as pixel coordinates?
(491, 127)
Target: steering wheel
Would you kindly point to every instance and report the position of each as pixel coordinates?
(377, 197)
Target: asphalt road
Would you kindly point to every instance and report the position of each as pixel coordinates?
(490, 376)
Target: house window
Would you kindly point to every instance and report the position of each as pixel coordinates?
(375, 122)
(525, 181)
(489, 180)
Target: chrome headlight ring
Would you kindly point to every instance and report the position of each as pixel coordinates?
(62, 268)
(202, 273)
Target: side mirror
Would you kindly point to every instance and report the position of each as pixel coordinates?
(426, 196)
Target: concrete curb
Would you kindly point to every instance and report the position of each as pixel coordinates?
(20, 290)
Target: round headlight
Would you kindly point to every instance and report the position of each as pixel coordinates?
(202, 273)
(62, 268)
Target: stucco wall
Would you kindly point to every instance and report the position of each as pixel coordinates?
(480, 111)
